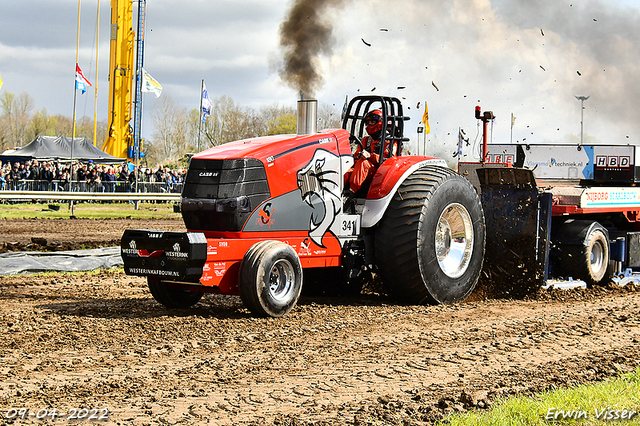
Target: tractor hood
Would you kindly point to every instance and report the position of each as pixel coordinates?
(264, 148)
(225, 184)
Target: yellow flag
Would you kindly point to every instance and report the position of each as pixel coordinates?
(0, 82)
(425, 118)
(150, 84)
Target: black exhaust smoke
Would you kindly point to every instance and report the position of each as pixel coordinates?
(305, 35)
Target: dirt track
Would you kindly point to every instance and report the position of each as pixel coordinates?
(72, 234)
(100, 341)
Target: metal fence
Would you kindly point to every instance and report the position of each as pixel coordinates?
(58, 190)
(94, 187)
(51, 196)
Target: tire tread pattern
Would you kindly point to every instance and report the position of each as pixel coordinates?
(397, 235)
(576, 261)
(254, 266)
(172, 296)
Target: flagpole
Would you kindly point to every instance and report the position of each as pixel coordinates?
(511, 137)
(200, 115)
(95, 104)
(73, 136)
(425, 119)
(74, 82)
(139, 76)
(427, 128)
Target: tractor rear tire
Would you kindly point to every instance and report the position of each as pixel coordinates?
(430, 242)
(270, 279)
(171, 295)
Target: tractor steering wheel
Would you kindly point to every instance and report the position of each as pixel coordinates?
(354, 138)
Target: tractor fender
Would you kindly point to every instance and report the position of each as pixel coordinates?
(386, 181)
(576, 232)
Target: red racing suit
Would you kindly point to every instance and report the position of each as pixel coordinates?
(365, 165)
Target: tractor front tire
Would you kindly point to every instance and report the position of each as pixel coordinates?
(270, 279)
(171, 295)
(429, 244)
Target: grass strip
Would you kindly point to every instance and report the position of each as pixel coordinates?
(88, 211)
(615, 400)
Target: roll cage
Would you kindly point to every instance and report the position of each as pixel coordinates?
(353, 122)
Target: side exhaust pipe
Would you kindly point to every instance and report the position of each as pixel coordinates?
(307, 117)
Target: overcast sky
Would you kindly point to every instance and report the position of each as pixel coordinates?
(529, 57)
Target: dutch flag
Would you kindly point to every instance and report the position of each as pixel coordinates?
(81, 81)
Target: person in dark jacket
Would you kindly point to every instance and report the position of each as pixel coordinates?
(35, 172)
(123, 179)
(47, 176)
(14, 176)
(133, 176)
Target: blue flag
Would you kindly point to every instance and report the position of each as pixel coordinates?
(207, 105)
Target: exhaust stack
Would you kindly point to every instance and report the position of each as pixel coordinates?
(307, 117)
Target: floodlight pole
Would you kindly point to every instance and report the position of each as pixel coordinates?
(581, 99)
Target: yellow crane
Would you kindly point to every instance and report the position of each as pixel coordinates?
(122, 74)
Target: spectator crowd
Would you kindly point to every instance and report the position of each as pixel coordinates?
(33, 175)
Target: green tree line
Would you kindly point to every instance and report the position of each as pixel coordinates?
(176, 130)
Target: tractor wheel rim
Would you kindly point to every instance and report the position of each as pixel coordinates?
(281, 280)
(454, 240)
(597, 257)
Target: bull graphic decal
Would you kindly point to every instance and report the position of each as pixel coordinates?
(320, 188)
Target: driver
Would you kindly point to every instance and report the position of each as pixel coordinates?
(366, 157)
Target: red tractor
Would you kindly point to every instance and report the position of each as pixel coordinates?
(267, 216)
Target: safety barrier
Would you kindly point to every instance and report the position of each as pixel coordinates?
(82, 186)
(52, 196)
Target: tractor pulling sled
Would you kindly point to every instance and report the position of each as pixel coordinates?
(267, 215)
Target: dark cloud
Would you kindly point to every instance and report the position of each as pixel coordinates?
(605, 37)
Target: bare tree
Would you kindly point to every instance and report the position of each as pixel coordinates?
(42, 124)
(16, 112)
(170, 137)
(63, 125)
(8, 139)
(229, 122)
(4, 133)
(328, 117)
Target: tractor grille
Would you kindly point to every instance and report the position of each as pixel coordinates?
(219, 195)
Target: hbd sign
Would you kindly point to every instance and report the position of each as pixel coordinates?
(613, 161)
